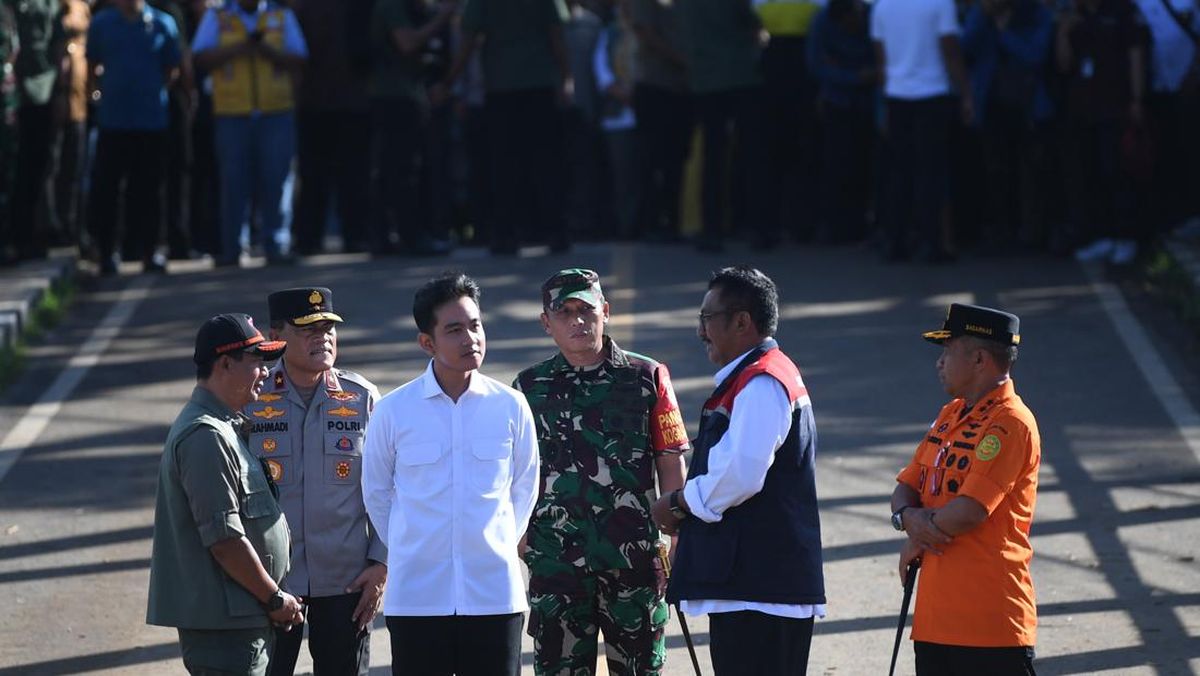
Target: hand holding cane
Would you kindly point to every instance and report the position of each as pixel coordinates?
(910, 579)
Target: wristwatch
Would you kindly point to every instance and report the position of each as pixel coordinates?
(274, 601)
(897, 521)
(677, 507)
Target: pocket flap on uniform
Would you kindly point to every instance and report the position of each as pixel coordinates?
(491, 449)
(419, 454)
(260, 504)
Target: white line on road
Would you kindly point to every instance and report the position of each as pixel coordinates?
(1158, 376)
(34, 422)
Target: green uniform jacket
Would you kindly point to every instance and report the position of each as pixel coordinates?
(210, 488)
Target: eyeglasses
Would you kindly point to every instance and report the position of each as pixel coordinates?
(705, 316)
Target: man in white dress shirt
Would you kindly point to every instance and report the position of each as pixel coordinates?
(450, 475)
(749, 552)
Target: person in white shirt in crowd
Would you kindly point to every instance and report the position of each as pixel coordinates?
(749, 552)
(450, 476)
(918, 53)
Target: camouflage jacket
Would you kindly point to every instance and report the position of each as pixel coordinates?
(599, 431)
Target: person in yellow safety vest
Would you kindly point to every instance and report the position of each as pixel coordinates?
(252, 50)
(791, 91)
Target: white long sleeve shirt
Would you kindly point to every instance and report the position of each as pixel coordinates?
(451, 487)
(737, 469)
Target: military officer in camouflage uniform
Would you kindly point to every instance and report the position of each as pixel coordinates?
(220, 541)
(308, 428)
(607, 424)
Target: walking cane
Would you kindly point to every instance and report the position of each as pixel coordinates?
(665, 559)
(910, 578)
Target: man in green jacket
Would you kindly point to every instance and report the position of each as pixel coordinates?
(220, 540)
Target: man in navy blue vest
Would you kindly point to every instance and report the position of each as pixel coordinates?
(749, 552)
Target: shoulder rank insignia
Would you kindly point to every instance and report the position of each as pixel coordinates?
(267, 396)
(276, 469)
(342, 469)
(340, 411)
(269, 445)
(279, 380)
(345, 444)
(342, 395)
(268, 413)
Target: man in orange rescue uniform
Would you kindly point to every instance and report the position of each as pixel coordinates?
(966, 503)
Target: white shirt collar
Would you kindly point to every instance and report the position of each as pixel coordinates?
(431, 388)
(728, 368)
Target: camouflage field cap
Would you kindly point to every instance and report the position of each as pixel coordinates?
(578, 283)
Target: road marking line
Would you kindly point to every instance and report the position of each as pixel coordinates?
(34, 421)
(1152, 366)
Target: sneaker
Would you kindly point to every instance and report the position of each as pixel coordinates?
(1098, 250)
(1124, 251)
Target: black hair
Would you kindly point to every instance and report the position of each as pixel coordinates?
(204, 371)
(1003, 355)
(744, 288)
(438, 291)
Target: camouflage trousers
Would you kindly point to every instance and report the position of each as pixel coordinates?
(566, 610)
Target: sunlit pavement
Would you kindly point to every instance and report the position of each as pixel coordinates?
(1118, 516)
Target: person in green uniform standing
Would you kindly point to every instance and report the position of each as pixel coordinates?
(608, 425)
(220, 539)
(9, 43)
(36, 72)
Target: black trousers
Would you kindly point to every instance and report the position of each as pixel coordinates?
(64, 184)
(466, 645)
(1013, 157)
(204, 187)
(723, 115)
(917, 174)
(935, 659)
(792, 128)
(397, 148)
(337, 647)
(525, 132)
(664, 133)
(333, 152)
(1175, 192)
(1100, 195)
(34, 124)
(847, 175)
(750, 643)
(135, 158)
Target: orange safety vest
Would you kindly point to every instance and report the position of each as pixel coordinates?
(248, 84)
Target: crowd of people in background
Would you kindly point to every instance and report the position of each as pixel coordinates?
(148, 130)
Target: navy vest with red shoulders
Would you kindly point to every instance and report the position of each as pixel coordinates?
(767, 549)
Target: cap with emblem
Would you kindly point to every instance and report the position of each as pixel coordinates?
(978, 321)
(302, 306)
(572, 283)
(234, 332)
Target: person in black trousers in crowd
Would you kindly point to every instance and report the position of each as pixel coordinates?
(138, 47)
(36, 72)
(528, 82)
(842, 62)
(664, 115)
(401, 31)
(333, 123)
(723, 72)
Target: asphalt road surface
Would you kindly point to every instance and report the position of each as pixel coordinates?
(1118, 517)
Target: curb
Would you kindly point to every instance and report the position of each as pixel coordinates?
(21, 289)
